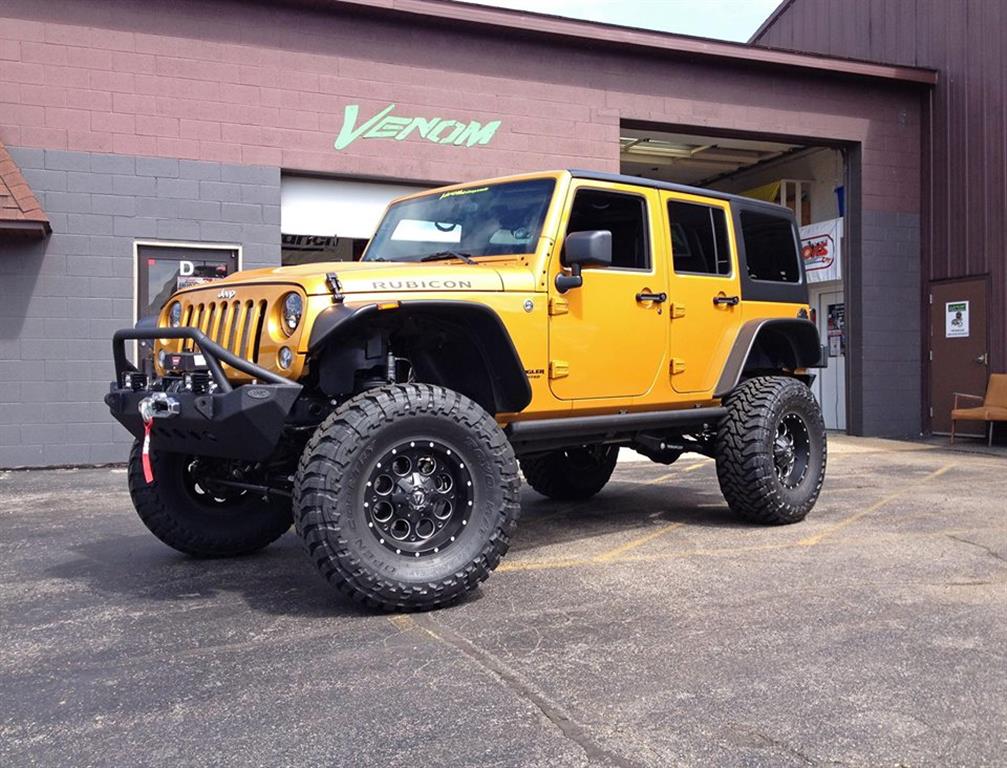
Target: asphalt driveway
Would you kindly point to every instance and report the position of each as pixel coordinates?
(645, 628)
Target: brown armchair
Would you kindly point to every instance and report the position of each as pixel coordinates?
(992, 408)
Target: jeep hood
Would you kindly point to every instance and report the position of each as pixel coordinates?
(375, 277)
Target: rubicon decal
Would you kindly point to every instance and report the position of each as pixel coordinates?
(439, 130)
(398, 285)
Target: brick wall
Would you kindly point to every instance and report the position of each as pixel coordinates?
(184, 80)
(60, 300)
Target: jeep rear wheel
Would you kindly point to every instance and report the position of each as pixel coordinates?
(771, 450)
(571, 474)
(189, 513)
(406, 496)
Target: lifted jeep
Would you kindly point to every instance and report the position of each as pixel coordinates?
(542, 321)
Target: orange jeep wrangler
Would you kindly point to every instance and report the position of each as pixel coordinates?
(541, 321)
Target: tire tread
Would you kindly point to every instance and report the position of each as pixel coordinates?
(746, 479)
(329, 453)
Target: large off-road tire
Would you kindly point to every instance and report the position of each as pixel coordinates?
(200, 521)
(771, 450)
(571, 474)
(406, 497)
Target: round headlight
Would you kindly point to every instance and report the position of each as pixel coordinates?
(285, 357)
(293, 308)
(175, 314)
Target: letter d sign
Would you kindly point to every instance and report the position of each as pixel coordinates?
(186, 268)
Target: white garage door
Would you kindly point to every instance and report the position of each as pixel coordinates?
(334, 207)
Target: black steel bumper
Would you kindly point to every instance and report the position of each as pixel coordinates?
(243, 422)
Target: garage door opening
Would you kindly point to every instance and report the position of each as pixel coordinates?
(326, 219)
(808, 179)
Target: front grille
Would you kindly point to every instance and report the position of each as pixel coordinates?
(234, 325)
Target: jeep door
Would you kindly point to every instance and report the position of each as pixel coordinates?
(705, 289)
(608, 338)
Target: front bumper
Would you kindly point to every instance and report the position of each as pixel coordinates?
(243, 422)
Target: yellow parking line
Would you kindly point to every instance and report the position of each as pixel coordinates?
(668, 475)
(539, 565)
(708, 551)
(608, 556)
(402, 622)
(811, 541)
(612, 554)
(621, 554)
(660, 479)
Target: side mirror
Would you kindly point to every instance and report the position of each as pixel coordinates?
(584, 249)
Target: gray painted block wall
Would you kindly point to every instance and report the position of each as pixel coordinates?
(61, 299)
(890, 301)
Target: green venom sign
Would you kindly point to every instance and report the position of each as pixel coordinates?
(385, 125)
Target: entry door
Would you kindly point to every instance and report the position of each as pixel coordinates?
(705, 290)
(831, 315)
(607, 338)
(959, 349)
(163, 269)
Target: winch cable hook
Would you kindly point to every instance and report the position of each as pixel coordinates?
(146, 409)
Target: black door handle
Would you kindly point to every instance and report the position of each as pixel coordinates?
(730, 301)
(657, 298)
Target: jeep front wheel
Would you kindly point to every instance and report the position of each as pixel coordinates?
(406, 496)
(771, 450)
(571, 474)
(186, 510)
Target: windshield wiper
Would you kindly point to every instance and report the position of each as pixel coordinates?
(442, 255)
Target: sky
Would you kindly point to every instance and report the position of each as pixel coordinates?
(722, 19)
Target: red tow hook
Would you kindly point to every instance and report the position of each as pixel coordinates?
(147, 414)
(156, 405)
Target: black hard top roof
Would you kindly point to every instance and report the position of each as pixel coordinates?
(639, 181)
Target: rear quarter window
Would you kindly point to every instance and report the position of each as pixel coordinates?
(770, 248)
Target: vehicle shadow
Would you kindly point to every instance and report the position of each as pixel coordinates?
(276, 580)
(280, 579)
(622, 507)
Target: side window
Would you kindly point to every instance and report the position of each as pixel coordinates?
(699, 239)
(770, 249)
(625, 216)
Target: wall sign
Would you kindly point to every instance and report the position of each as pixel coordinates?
(820, 249)
(439, 130)
(190, 274)
(837, 330)
(292, 242)
(956, 320)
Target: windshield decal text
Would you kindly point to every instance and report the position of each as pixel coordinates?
(439, 130)
(457, 192)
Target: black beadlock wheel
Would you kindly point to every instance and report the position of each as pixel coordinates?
(771, 450)
(571, 474)
(189, 514)
(406, 497)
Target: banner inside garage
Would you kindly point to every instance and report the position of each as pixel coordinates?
(822, 251)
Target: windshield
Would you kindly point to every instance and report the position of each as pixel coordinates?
(491, 220)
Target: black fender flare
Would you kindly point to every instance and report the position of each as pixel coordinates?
(798, 338)
(511, 391)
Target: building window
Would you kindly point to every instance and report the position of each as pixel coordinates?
(770, 247)
(625, 216)
(699, 239)
(163, 268)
